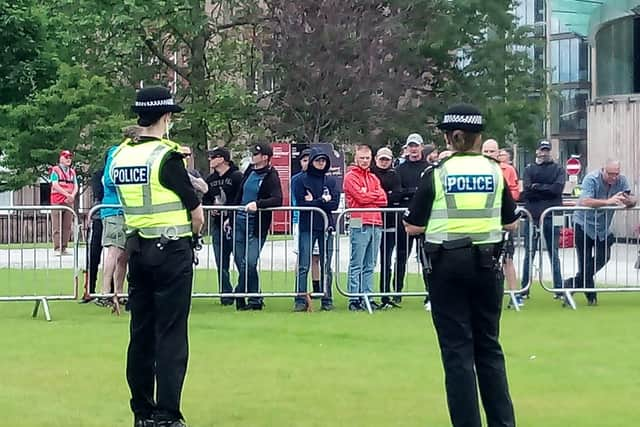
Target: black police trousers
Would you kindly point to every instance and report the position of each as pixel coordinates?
(159, 300)
(466, 303)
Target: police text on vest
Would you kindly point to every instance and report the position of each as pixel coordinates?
(125, 175)
(470, 184)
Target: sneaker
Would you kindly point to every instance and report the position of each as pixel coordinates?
(374, 305)
(520, 301)
(355, 306)
(251, 307)
(397, 299)
(300, 307)
(558, 296)
(104, 302)
(147, 422)
(427, 306)
(327, 306)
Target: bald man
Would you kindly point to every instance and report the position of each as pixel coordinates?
(490, 149)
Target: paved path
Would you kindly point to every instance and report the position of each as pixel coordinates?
(279, 256)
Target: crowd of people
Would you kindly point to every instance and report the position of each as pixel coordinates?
(371, 182)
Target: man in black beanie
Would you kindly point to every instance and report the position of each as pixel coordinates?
(163, 219)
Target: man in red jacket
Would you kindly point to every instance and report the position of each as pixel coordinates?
(64, 187)
(362, 189)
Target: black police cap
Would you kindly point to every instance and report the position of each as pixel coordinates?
(463, 117)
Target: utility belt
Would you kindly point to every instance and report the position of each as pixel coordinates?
(485, 256)
(135, 242)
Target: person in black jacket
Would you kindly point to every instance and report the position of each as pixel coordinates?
(543, 184)
(223, 186)
(391, 221)
(410, 173)
(260, 189)
(315, 189)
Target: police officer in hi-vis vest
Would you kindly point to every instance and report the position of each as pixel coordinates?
(162, 217)
(462, 205)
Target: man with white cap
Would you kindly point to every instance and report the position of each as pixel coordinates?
(409, 172)
(391, 221)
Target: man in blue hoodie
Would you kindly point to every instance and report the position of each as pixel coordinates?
(315, 189)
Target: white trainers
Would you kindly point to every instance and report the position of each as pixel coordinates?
(427, 306)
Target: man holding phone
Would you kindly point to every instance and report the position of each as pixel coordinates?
(605, 187)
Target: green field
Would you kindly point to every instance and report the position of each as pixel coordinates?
(278, 368)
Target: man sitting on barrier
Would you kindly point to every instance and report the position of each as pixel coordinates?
(604, 187)
(543, 185)
(223, 184)
(260, 189)
(315, 189)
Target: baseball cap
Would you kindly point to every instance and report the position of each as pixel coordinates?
(544, 145)
(262, 148)
(304, 153)
(463, 117)
(219, 152)
(413, 139)
(66, 153)
(384, 153)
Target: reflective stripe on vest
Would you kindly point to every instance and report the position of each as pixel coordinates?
(466, 202)
(149, 208)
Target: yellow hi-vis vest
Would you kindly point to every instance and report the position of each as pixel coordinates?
(149, 208)
(468, 200)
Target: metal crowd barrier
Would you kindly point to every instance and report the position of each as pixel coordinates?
(29, 268)
(278, 256)
(521, 239)
(614, 260)
(412, 284)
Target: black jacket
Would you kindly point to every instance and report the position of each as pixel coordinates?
(269, 195)
(410, 173)
(391, 184)
(223, 189)
(543, 186)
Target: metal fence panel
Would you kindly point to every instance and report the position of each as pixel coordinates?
(29, 269)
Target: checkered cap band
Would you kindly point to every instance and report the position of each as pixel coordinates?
(155, 103)
(467, 119)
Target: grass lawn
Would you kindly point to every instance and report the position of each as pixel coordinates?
(278, 368)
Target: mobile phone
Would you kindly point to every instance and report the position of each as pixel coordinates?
(626, 192)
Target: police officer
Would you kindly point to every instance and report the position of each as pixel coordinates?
(162, 214)
(464, 204)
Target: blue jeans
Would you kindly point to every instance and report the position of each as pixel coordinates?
(551, 237)
(222, 247)
(306, 240)
(247, 254)
(365, 243)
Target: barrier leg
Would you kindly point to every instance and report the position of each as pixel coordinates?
(367, 303)
(569, 301)
(514, 301)
(45, 307)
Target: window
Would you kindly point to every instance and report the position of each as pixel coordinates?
(569, 60)
(569, 111)
(6, 198)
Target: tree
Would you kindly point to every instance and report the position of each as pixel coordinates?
(79, 112)
(337, 72)
(26, 62)
(484, 58)
(205, 51)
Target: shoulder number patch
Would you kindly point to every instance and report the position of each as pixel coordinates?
(126, 175)
(470, 184)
